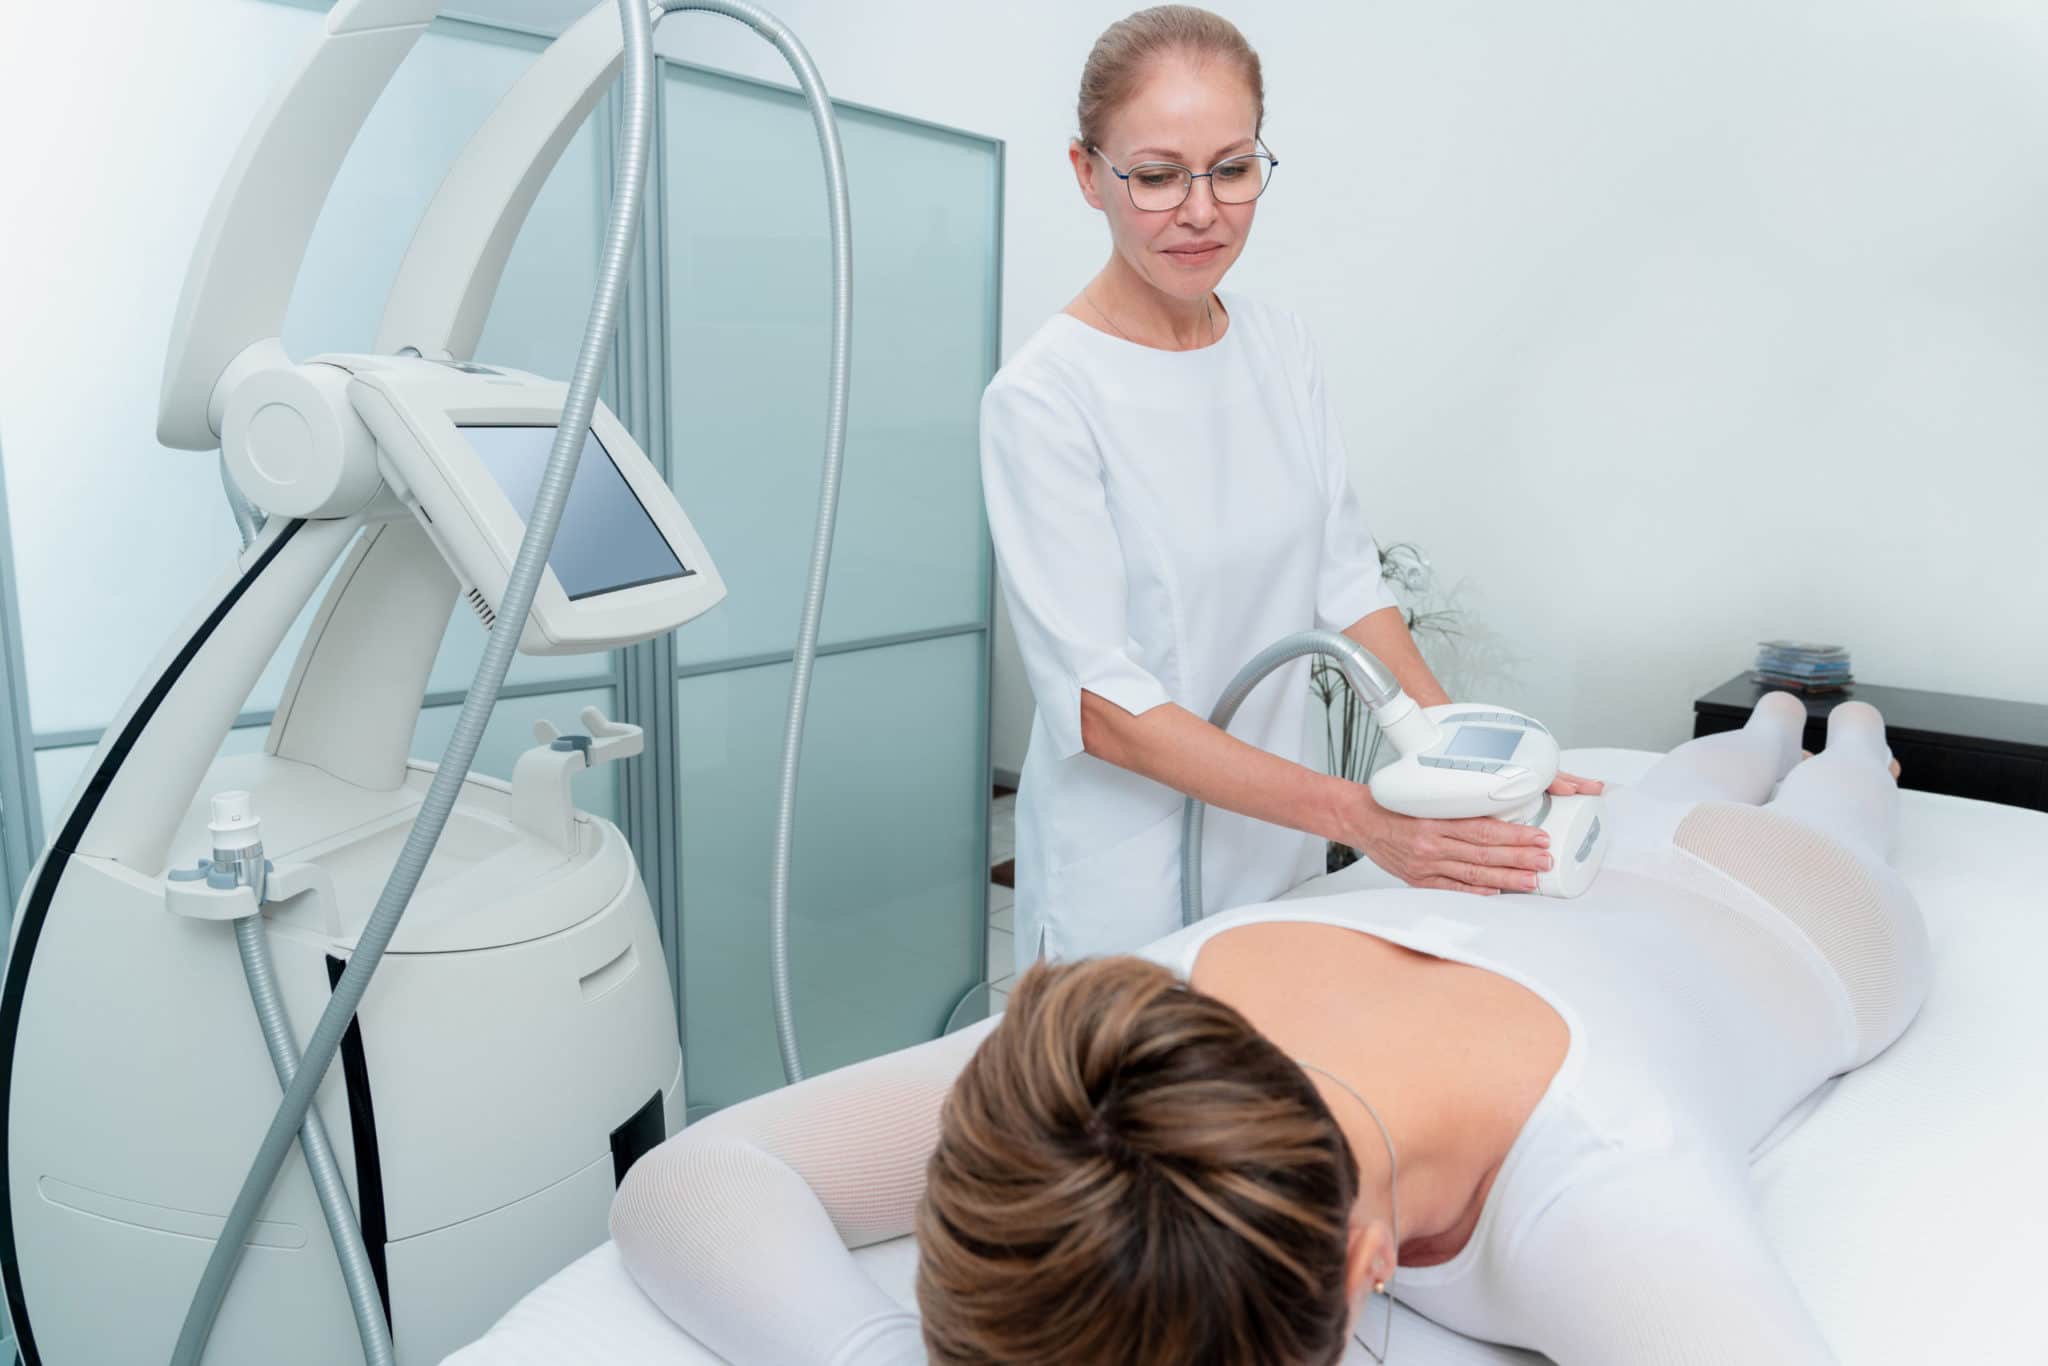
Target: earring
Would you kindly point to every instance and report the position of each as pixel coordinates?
(1380, 1357)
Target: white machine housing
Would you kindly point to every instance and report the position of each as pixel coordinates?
(516, 1050)
(518, 1047)
(1462, 759)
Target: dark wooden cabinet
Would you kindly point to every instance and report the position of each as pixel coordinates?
(1963, 746)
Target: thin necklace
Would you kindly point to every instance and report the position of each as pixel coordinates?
(1393, 1200)
(1208, 316)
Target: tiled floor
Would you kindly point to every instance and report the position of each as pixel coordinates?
(1002, 844)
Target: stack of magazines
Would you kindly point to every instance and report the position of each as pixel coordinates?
(1802, 666)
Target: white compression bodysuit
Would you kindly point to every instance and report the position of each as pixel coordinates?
(1729, 959)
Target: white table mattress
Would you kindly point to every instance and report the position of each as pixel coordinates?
(1910, 1202)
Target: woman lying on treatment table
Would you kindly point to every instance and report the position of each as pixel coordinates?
(1126, 1169)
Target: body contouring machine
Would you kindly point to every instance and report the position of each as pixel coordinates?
(518, 1048)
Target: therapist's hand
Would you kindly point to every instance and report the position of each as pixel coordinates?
(1479, 854)
(1566, 785)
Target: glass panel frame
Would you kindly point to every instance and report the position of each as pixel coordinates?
(21, 817)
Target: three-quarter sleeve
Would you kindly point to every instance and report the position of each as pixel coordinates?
(1062, 565)
(1348, 582)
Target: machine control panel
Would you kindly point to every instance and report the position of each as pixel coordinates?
(1483, 761)
(464, 447)
(1467, 765)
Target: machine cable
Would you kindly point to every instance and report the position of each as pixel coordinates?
(248, 519)
(365, 1300)
(772, 29)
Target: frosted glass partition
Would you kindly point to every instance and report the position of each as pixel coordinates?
(890, 883)
(748, 308)
(91, 623)
(887, 887)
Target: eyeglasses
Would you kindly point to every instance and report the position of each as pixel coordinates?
(1156, 186)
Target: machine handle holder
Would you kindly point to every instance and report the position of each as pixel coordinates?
(205, 892)
(542, 803)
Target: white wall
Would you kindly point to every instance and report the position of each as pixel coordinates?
(1663, 328)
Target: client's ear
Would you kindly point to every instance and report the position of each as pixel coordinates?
(1370, 1259)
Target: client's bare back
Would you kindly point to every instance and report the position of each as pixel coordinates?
(1457, 1056)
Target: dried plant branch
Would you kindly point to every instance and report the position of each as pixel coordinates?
(1350, 733)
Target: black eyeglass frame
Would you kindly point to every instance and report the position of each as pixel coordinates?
(1264, 154)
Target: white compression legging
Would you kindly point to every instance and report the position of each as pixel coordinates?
(1817, 851)
(740, 1227)
(1843, 792)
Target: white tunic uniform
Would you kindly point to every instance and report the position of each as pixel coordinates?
(1160, 517)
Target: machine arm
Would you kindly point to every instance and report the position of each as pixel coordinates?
(255, 234)
(450, 273)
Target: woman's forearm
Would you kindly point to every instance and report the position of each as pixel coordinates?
(1386, 634)
(1173, 746)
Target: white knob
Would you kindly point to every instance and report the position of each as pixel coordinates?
(294, 443)
(234, 824)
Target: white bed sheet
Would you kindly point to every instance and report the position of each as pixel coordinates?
(1910, 1202)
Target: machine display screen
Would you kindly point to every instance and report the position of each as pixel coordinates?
(1484, 742)
(606, 540)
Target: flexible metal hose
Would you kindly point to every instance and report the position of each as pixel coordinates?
(636, 127)
(248, 521)
(801, 665)
(1371, 680)
(342, 1225)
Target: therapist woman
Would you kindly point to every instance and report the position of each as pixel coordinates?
(1168, 495)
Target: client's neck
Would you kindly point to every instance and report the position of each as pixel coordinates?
(1446, 1215)
(1442, 1188)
